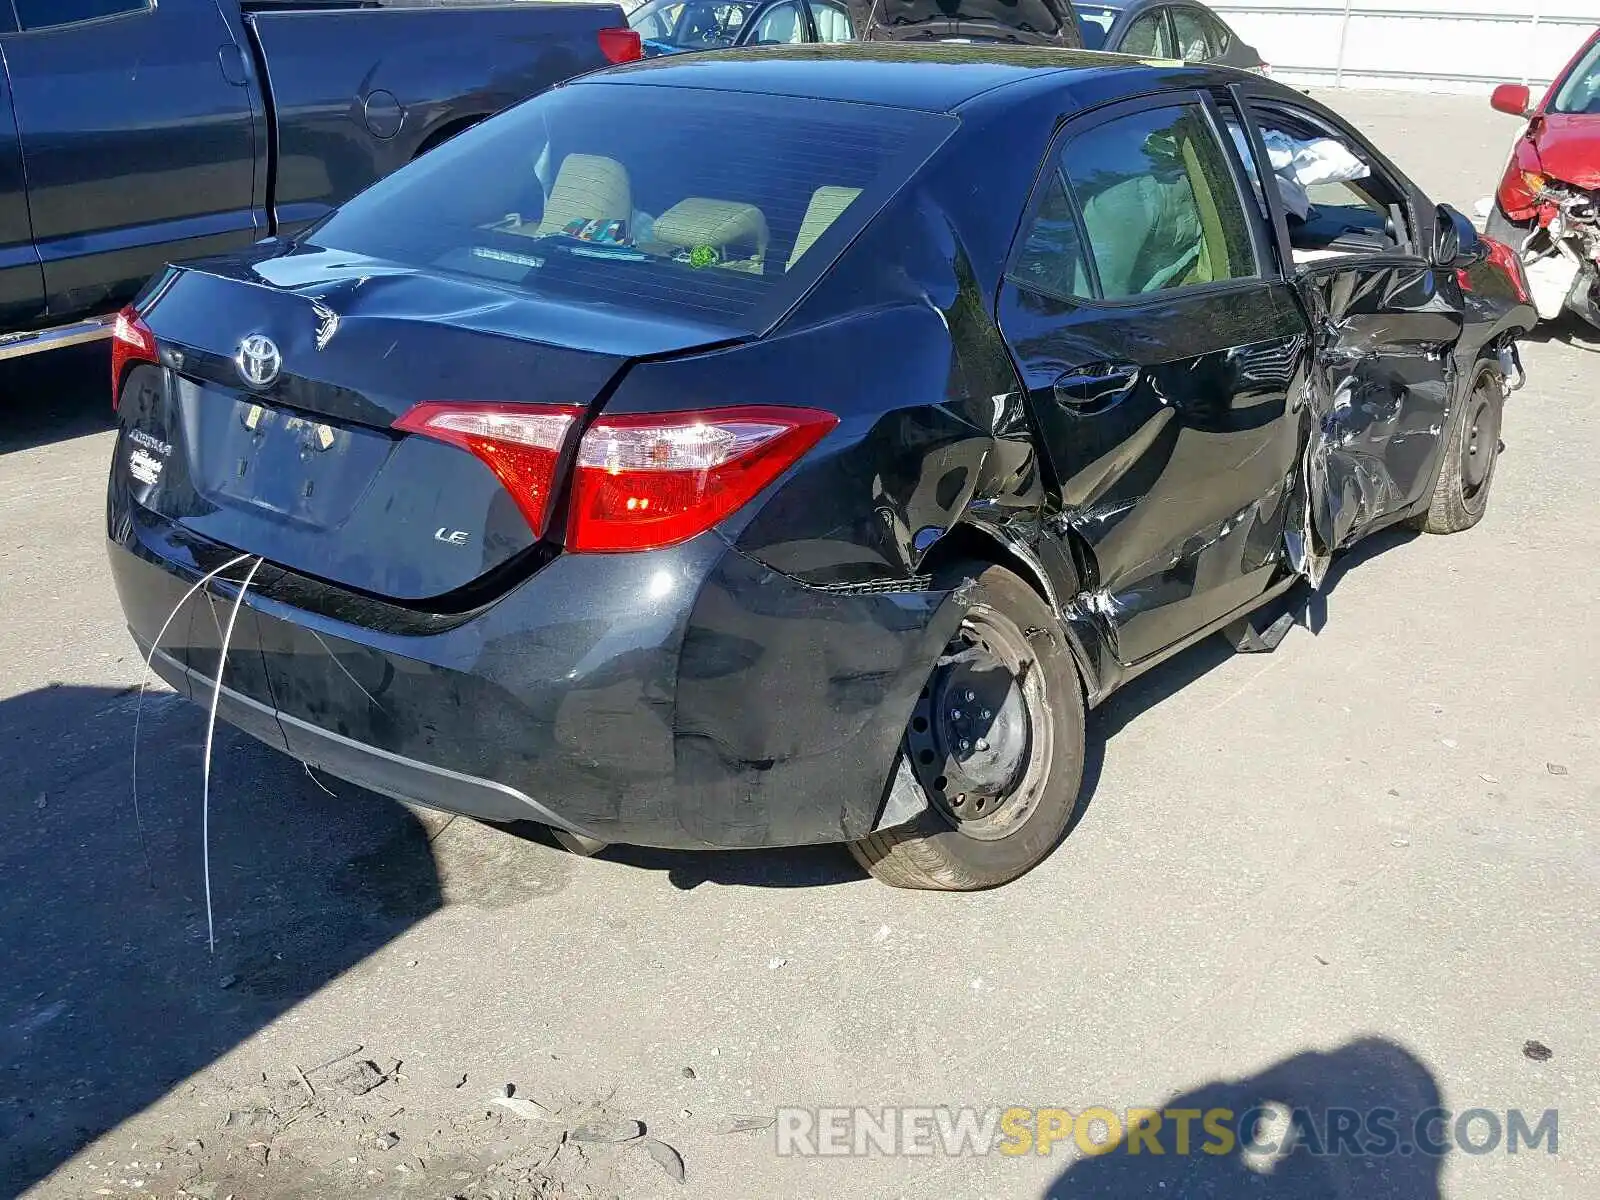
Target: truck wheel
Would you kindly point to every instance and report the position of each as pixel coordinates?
(996, 741)
(1461, 493)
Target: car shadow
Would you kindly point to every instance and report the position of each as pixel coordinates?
(797, 867)
(1567, 329)
(110, 996)
(1309, 608)
(1300, 1151)
(54, 397)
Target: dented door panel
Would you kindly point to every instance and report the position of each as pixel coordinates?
(1179, 478)
(1380, 392)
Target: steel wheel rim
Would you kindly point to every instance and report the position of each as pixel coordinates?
(1480, 439)
(980, 737)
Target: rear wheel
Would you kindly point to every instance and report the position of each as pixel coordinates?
(996, 741)
(1461, 495)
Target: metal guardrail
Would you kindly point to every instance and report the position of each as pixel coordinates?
(1349, 11)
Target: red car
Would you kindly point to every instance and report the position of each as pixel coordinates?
(1546, 204)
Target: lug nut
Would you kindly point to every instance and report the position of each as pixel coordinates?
(955, 714)
(971, 697)
(984, 714)
(965, 745)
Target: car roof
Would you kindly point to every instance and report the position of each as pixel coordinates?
(933, 77)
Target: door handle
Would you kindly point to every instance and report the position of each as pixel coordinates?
(1096, 384)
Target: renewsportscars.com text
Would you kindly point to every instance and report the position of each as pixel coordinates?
(1269, 1129)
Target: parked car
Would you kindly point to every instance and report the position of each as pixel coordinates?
(673, 26)
(1545, 204)
(1019, 22)
(134, 133)
(1156, 29)
(692, 457)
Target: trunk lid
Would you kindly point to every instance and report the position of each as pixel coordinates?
(282, 379)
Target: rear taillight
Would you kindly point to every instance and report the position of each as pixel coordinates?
(620, 45)
(520, 444)
(1505, 258)
(649, 480)
(131, 342)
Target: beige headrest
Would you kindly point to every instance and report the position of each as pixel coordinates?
(698, 221)
(587, 188)
(827, 206)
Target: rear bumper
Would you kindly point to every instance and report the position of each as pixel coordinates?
(368, 766)
(684, 698)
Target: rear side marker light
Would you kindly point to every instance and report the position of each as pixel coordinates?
(620, 45)
(519, 443)
(131, 342)
(648, 480)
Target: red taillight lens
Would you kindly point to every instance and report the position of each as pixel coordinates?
(620, 45)
(1505, 258)
(520, 443)
(655, 479)
(131, 342)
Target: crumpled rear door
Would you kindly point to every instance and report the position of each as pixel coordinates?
(1379, 392)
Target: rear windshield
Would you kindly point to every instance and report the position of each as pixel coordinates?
(715, 207)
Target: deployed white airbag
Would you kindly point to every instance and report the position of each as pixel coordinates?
(1298, 165)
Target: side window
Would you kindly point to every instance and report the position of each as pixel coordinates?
(1193, 45)
(781, 24)
(1334, 201)
(1159, 204)
(1051, 259)
(1218, 34)
(1147, 37)
(1241, 143)
(43, 14)
(833, 21)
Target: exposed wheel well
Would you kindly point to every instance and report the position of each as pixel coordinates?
(447, 131)
(966, 542)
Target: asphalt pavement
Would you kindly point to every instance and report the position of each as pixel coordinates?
(1357, 873)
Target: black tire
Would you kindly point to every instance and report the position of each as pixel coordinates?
(1012, 647)
(1461, 494)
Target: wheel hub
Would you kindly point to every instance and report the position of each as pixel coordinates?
(973, 731)
(1482, 436)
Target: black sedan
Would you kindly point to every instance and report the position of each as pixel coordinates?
(693, 456)
(1160, 29)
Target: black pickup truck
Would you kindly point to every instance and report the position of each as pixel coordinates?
(138, 132)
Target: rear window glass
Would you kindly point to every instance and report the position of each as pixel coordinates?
(716, 207)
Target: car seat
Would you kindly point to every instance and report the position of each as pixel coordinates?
(833, 24)
(588, 187)
(723, 226)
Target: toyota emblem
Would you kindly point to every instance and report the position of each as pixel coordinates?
(258, 360)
